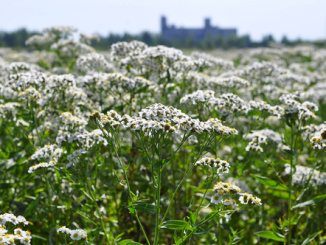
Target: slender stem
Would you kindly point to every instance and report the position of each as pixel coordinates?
(122, 166)
(292, 165)
(129, 191)
(90, 191)
(197, 225)
(203, 197)
(290, 189)
(186, 174)
(158, 204)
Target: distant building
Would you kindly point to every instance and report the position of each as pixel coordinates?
(173, 33)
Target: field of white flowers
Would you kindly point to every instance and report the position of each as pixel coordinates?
(152, 145)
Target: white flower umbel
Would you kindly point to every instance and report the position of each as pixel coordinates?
(259, 138)
(76, 234)
(303, 174)
(227, 193)
(221, 166)
(47, 155)
(10, 235)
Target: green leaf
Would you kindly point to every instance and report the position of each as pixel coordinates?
(313, 201)
(38, 237)
(176, 225)
(128, 242)
(319, 198)
(144, 207)
(270, 235)
(270, 183)
(311, 238)
(304, 204)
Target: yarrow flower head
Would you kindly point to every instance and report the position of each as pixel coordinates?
(224, 192)
(158, 117)
(76, 235)
(17, 234)
(259, 138)
(93, 62)
(316, 135)
(48, 155)
(303, 175)
(13, 219)
(304, 111)
(221, 166)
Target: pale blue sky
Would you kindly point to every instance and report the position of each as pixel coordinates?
(295, 18)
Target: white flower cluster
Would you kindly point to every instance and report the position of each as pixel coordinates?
(9, 108)
(50, 35)
(111, 83)
(304, 110)
(13, 219)
(303, 174)
(316, 92)
(23, 80)
(18, 235)
(258, 138)
(226, 102)
(125, 51)
(199, 96)
(157, 62)
(72, 129)
(221, 166)
(62, 40)
(43, 89)
(212, 61)
(231, 103)
(229, 82)
(76, 235)
(263, 106)
(71, 121)
(216, 83)
(20, 67)
(89, 139)
(121, 83)
(71, 48)
(158, 117)
(226, 193)
(93, 62)
(48, 155)
(317, 135)
(59, 81)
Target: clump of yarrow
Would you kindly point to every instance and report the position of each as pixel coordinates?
(93, 62)
(76, 234)
(161, 118)
(13, 235)
(304, 111)
(316, 134)
(303, 175)
(229, 194)
(260, 138)
(48, 156)
(230, 103)
(220, 166)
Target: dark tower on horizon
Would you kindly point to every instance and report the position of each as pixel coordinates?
(173, 33)
(207, 23)
(163, 23)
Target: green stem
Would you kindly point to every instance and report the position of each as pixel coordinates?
(195, 228)
(292, 165)
(186, 174)
(158, 208)
(122, 166)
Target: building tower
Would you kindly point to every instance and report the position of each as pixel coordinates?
(164, 24)
(207, 23)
